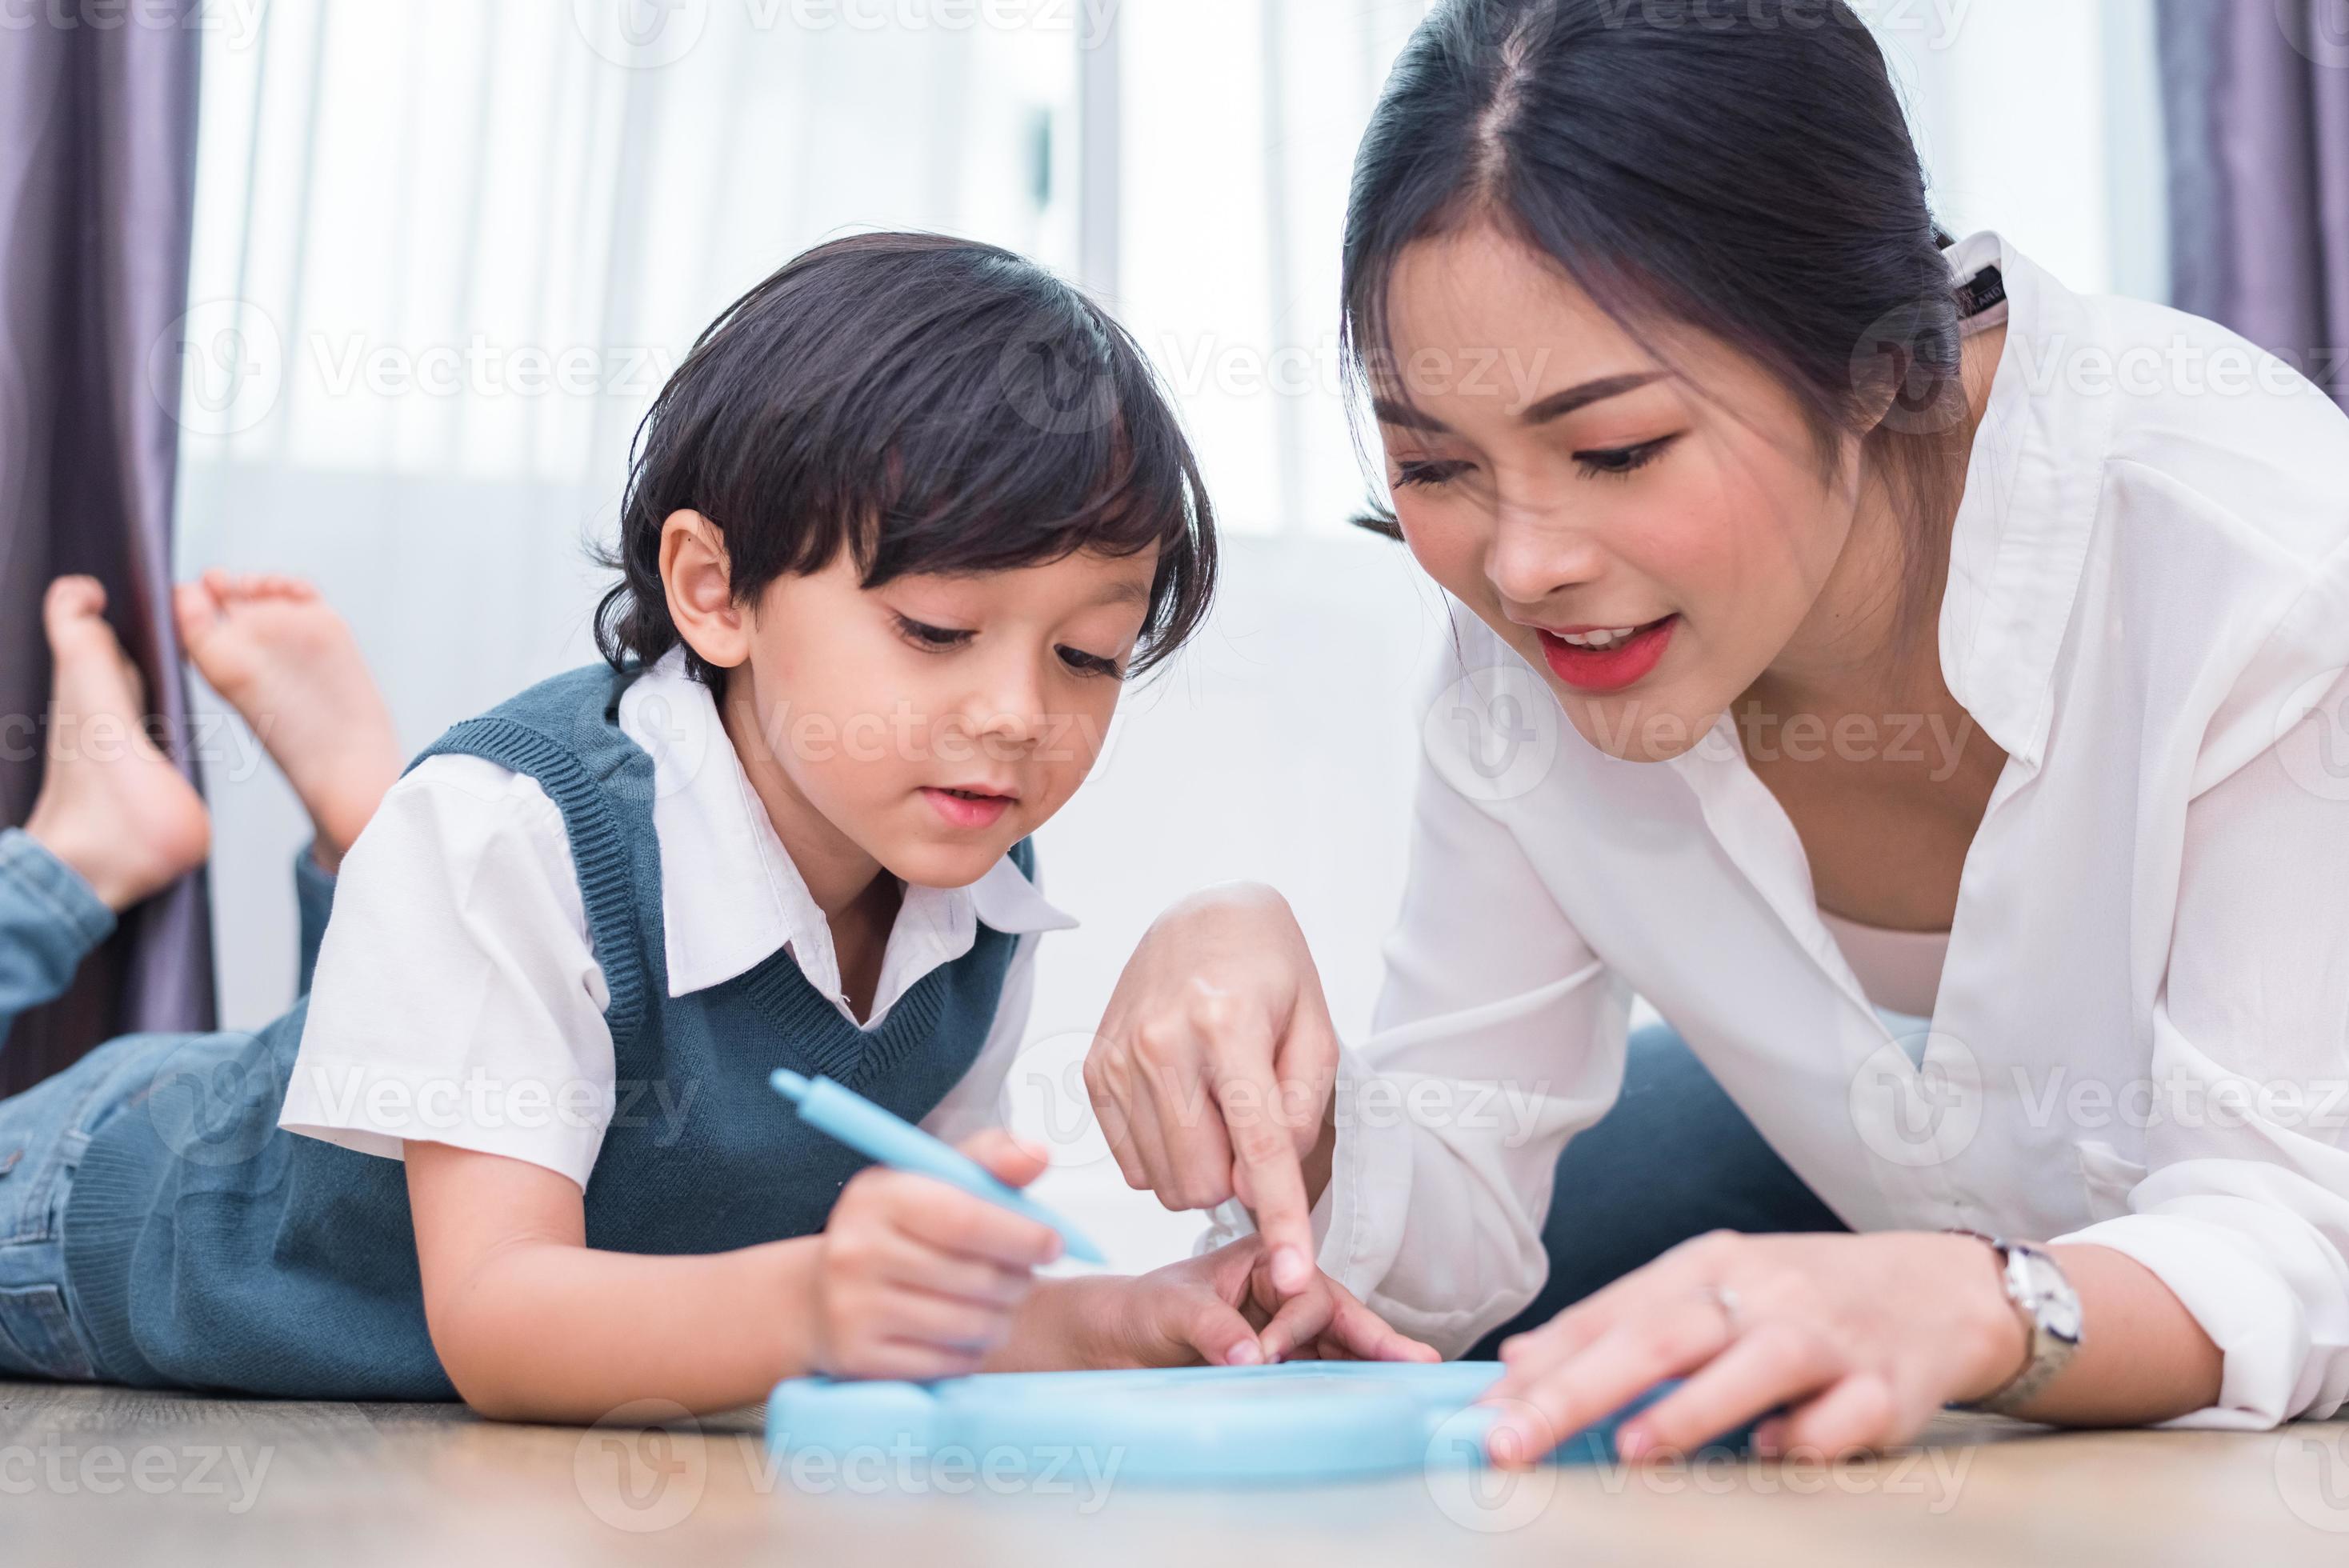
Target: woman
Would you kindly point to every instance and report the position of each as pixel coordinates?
(1931, 641)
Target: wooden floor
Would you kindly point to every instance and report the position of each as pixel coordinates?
(109, 1475)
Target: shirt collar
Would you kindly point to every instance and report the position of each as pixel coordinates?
(730, 895)
(2021, 536)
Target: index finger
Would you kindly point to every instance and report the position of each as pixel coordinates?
(1267, 1173)
(1307, 1065)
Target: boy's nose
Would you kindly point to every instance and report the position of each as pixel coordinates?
(1009, 708)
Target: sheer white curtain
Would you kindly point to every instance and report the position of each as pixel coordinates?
(2042, 122)
(447, 250)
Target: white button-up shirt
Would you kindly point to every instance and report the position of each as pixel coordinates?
(2141, 1035)
(457, 998)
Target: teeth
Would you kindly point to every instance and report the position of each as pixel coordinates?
(1598, 639)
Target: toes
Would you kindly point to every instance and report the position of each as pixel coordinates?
(72, 599)
(73, 617)
(197, 609)
(277, 585)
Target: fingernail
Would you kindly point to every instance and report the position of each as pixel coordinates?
(1246, 1354)
(1504, 1445)
(1631, 1442)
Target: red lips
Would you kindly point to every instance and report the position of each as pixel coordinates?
(1608, 669)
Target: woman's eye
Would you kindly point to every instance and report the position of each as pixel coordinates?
(1620, 462)
(1088, 664)
(1426, 473)
(928, 636)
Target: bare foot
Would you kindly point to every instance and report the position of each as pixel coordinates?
(284, 659)
(111, 806)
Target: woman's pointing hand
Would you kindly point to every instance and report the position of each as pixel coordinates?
(1212, 1071)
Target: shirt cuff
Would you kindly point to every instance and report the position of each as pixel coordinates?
(1369, 1194)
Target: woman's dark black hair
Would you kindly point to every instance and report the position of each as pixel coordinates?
(1743, 169)
(932, 405)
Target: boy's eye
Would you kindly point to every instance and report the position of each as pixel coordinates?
(1088, 664)
(923, 635)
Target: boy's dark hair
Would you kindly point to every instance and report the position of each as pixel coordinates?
(933, 405)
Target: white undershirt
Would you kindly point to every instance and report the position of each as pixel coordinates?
(1900, 970)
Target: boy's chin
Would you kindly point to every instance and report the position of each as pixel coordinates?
(932, 863)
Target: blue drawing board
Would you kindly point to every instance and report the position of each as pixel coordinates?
(1298, 1422)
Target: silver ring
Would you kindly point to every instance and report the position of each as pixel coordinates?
(1725, 1298)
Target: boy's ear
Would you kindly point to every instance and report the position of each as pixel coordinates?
(699, 580)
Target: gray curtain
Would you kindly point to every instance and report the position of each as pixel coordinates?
(97, 123)
(2257, 99)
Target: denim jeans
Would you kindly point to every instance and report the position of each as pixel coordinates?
(1672, 1158)
(50, 919)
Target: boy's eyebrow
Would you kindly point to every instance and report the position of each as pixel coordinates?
(1124, 591)
(1557, 405)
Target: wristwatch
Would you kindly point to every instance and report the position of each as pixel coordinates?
(2050, 1309)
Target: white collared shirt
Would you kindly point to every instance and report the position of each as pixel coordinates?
(2141, 1034)
(458, 999)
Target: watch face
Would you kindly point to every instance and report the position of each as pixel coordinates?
(2053, 1302)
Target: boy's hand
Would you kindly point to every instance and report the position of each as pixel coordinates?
(1223, 1308)
(917, 1280)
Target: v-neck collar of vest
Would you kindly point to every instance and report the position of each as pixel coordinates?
(814, 1030)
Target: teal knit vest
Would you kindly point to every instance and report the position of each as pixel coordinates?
(208, 1248)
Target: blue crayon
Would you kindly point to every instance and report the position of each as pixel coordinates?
(897, 1143)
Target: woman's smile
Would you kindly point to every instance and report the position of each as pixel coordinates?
(1606, 659)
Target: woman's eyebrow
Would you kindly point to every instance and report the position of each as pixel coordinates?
(1556, 405)
(1404, 416)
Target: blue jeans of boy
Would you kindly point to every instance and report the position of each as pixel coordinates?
(49, 920)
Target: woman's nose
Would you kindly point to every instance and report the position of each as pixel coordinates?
(1535, 557)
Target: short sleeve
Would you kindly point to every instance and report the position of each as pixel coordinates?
(457, 998)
